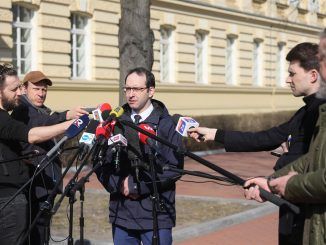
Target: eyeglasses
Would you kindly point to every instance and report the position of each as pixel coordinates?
(134, 89)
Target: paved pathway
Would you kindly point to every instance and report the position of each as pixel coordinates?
(261, 230)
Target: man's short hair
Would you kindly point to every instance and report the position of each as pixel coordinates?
(307, 54)
(150, 79)
(6, 70)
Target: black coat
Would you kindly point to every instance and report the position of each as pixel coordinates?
(137, 214)
(35, 117)
(299, 128)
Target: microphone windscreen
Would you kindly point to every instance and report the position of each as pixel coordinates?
(142, 137)
(103, 130)
(105, 107)
(117, 112)
(77, 126)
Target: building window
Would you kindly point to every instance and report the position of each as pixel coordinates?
(280, 65)
(258, 62)
(313, 6)
(80, 47)
(231, 59)
(201, 56)
(22, 38)
(167, 54)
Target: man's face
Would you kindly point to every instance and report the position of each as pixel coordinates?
(300, 80)
(10, 93)
(138, 96)
(36, 92)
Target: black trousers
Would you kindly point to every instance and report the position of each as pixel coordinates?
(13, 220)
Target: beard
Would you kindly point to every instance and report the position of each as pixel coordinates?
(321, 94)
(8, 104)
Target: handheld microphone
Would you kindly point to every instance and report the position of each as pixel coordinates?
(87, 139)
(102, 134)
(74, 129)
(184, 124)
(118, 141)
(97, 113)
(145, 139)
(117, 112)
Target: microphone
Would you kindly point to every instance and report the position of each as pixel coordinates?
(74, 129)
(87, 139)
(97, 113)
(146, 140)
(184, 124)
(118, 141)
(102, 133)
(117, 112)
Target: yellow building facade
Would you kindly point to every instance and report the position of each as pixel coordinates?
(210, 56)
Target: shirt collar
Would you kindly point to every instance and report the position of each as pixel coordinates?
(143, 114)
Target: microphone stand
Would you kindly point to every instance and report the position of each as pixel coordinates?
(263, 193)
(31, 155)
(47, 158)
(155, 199)
(47, 205)
(70, 191)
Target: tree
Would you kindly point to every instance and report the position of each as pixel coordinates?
(135, 38)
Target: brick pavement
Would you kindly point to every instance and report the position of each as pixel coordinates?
(262, 230)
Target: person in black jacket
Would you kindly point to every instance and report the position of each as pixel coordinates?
(130, 185)
(294, 135)
(34, 113)
(14, 174)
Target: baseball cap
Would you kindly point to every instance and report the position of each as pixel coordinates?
(35, 77)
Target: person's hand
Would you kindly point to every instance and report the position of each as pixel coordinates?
(202, 133)
(279, 184)
(76, 113)
(124, 189)
(285, 147)
(251, 186)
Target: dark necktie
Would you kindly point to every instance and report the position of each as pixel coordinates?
(137, 119)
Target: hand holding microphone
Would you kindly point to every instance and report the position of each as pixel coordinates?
(202, 133)
(187, 126)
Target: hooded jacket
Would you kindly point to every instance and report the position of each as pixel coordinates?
(134, 164)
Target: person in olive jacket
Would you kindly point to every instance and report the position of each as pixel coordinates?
(294, 134)
(304, 180)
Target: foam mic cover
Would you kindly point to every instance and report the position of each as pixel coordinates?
(77, 126)
(142, 137)
(117, 112)
(105, 107)
(102, 131)
(88, 136)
